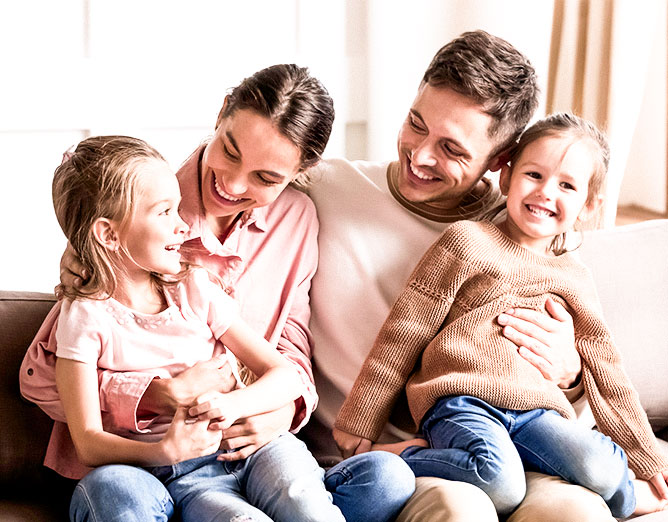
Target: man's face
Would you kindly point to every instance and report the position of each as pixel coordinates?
(443, 147)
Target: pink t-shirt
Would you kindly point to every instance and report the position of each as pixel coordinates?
(267, 263)
(112, 337)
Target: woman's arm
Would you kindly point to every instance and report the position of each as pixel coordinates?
(78, 388)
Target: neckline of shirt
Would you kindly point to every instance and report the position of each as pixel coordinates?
(471, 207)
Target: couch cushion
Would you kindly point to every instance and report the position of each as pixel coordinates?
(630, 267)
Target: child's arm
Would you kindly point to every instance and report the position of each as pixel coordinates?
(78, 388)
(278, 382)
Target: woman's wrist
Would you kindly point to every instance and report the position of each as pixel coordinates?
(159, 397)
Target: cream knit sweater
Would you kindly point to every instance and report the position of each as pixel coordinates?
(441, 338)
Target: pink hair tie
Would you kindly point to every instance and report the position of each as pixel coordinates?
(67, 155)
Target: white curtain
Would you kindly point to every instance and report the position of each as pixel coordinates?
(599, 62)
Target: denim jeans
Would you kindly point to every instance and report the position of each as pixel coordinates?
(490, 447)
(280, 482)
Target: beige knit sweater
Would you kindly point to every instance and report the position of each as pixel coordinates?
(441, 338)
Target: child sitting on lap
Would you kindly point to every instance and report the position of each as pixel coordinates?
(486, 414)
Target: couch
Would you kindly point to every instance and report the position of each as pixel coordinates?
(630, 265)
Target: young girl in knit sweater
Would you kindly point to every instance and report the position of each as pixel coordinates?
(485, 414)
(142, 310)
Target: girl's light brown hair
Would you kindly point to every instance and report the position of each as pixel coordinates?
(569, 125)
(97, 180)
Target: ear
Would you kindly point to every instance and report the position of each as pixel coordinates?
(504, 179)
(104, 231)
(222, 110)
(590, 209)
(498, 161)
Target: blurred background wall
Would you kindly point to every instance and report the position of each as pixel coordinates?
(160, 69)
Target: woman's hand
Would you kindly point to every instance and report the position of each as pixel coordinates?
(72, 273)
(249, 434)
(547, 342)
(350, 444)
(188, 438)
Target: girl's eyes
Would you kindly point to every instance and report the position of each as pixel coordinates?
(567, 186)
(533, 175)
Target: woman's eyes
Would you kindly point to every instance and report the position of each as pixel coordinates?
(229, 154)
(266, 181)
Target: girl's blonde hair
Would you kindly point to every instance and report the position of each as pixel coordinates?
(98, 180)
(569, 125)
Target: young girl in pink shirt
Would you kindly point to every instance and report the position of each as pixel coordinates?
(117, 201)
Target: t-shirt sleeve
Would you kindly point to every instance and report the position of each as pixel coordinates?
(81, 331)
(209, 301)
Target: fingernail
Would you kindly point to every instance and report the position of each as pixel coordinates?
(503, 319)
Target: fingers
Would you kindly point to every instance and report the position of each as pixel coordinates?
(238, 454)
(527, 322)
(658, 482)
(363, 447)
(208, 406)
(544, 366)
(521, 339)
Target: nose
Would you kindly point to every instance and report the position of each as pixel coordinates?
(423, 154)
(547, 190)
(235, 182)
(181, 226)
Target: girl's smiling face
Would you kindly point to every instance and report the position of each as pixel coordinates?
(247, 164)
(547, 190)
(151, 237)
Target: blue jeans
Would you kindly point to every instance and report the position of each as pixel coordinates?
(490, 447)
(280, 482)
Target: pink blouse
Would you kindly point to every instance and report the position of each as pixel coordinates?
(267, 263)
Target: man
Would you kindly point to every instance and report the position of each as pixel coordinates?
(376, 221)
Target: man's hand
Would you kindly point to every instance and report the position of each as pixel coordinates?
(248, 435)
(350, 444)
(546, 342)
(165, 395)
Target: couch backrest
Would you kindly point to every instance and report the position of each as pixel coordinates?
(630, 267)
(24, 429)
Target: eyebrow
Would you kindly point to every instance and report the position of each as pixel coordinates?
(235, 146)
(164, 201)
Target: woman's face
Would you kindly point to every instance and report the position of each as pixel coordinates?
(247, 164)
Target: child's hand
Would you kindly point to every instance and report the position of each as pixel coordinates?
(188, 438)
(349, 444)
(216, 406)
(660, 484)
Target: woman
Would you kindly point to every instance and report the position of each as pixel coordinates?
(260, 235)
